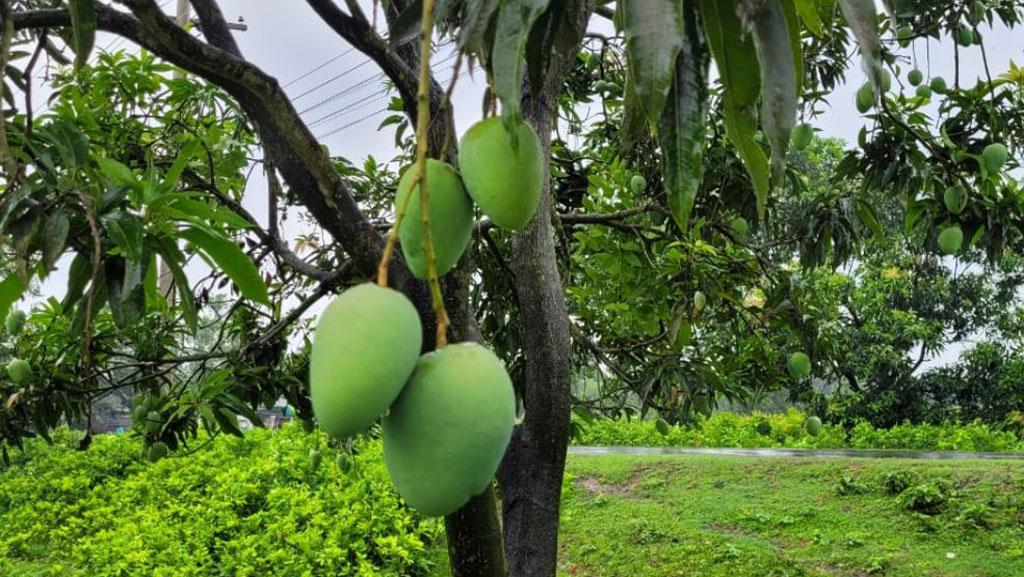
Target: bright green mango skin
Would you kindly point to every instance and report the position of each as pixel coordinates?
(447, 432)
(364, 349)
(19, 370)
(950, 240)
(799, 365)
(503, 179)
(451, 218)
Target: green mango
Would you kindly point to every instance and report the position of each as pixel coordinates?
(964, 35)
(700, 300)
(154, 422)
(19, 370)
(740, 226)
(865, 98)
(803, 134)
(14, 322)
(447, 432)
(315, 456)
(799, 366)
(364, 349)
(938, 84)
(924, 91)
(451, 218)
(662, 427)
(638, 184)
(813, 425)
(904, 34)
(503, 171)
(950, 240)
(158, 451)
(955, 199)
(915, 77)
(995, 156)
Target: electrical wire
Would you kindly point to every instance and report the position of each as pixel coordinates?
(318, 68)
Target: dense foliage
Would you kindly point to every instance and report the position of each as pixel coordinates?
(789, 430)
(262, 505)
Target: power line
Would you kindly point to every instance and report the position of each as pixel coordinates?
(356, 86)
(332, 79)
(356, 104)
(337, 95)
(318, 67)
(373, 114)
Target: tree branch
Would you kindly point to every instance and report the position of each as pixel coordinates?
(306, 167)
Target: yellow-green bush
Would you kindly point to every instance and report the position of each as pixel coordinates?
(240, 507)
(788, 430)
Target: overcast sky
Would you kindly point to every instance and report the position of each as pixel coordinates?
(341, 95)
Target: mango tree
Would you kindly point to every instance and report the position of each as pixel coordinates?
(86, 182)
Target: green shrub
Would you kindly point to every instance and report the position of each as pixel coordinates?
(240, 507)
(929, 498)
(788, 430)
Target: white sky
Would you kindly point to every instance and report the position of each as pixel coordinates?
(346, 96)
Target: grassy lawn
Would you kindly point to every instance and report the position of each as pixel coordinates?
(740, 517)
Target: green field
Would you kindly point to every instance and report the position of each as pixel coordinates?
(743, 517)
(260, 506)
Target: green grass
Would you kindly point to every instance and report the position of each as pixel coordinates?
(740, 517)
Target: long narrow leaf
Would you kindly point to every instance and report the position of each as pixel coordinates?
(232, 260)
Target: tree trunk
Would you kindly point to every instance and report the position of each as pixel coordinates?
(531, 473)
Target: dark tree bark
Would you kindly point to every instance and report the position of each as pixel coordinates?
(532, 471)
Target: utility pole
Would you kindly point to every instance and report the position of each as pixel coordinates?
(166, 279)
(183, 17)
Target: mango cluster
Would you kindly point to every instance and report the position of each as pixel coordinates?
(447, 415)
(500, 169)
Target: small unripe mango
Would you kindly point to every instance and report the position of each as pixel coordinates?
(14, 322)
(915, 77)
(950, 240)
(938, 84)
(813, 426)
(799, 365)
(364, 349)
(451, 218)
(803, 134)
(955, 199)
(19, 370)
(503, 170)
(995, 156)
(865, 98)
(638, 184)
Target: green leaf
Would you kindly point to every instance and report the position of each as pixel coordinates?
(11, 289)
(733, 51)
(477, 15)
(173, 175)
(654, 35)
(808, 10)
(173, 258)
(780, 57)
(127, 232)
(740, 127)
(117, 172)
(200, 210)
(737, 63)
(234, 262)
(83, 28)
(78, 277)
(683, 125)
(55, 236)
(515, 19)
